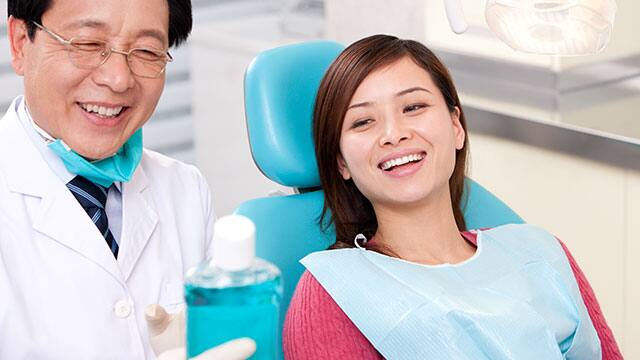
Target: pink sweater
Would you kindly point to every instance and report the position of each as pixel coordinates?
(316, 327)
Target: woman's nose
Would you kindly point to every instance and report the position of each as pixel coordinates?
(393, 132)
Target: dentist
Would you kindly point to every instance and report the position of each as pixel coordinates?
(93, 227)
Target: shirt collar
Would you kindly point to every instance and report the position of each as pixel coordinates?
(48, 139)
(41, 139)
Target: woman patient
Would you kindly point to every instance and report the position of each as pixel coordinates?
(405, 278)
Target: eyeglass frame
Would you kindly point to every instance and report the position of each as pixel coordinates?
(109, 50)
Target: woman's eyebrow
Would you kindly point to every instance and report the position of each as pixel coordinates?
(362, 104)
(403, 92)
(412, 89)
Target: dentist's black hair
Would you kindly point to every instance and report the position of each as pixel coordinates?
(180, 17)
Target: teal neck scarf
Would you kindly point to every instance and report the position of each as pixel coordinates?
(119, 167)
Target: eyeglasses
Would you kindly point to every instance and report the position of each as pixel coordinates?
(87, 53)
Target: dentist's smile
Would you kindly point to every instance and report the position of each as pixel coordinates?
(101, 114)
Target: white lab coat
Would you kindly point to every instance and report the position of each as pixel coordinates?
(62, 293)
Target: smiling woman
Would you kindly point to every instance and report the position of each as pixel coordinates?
(384, 101)
(391, 145)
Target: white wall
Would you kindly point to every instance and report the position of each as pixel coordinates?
(349, 20)
(631, 322)
(591, 206)
(3, 12)
(221, 52)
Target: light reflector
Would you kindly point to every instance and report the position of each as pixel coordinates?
(558, 27)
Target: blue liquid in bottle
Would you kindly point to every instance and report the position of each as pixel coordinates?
(234, 296)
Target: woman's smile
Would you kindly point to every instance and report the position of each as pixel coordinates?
(398, 166)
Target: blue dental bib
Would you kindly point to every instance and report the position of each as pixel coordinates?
(516, 298)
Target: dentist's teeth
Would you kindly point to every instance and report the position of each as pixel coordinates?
(102, 110)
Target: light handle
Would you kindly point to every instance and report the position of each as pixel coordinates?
(455, 15)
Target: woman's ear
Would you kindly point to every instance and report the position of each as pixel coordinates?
(342, 167)
(458, 130)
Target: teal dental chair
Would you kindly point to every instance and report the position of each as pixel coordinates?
(280, 88)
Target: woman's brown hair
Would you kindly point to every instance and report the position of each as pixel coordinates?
(350, 211)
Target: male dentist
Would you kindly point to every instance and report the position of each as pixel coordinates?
(93, 227)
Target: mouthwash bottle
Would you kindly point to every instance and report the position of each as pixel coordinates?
(234, 294)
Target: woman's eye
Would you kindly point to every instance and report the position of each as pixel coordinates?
(361, 123)
(413, 107)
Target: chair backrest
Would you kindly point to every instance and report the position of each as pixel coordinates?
(280, 89)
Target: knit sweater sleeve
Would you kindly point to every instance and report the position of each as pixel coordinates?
(316, 327)
(610, 350)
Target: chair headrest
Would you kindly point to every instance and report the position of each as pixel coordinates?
(280, 88)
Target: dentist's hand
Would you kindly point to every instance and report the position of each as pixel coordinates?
(167, 334)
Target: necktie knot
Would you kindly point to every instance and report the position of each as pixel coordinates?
(88, 193)
(93, 199)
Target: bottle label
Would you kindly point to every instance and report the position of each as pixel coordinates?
(209, 326)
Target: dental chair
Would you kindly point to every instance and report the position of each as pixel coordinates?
(280, 88)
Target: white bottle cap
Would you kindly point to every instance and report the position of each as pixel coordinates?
(234, 243)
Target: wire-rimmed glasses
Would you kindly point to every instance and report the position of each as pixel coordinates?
(87, 53)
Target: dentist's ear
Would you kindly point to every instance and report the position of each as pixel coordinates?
(457, 128)
(18, 38)
(342, 167)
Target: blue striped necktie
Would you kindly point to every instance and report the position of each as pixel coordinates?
(93, 199)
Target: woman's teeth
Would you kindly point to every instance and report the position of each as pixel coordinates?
(101, 110)
(387, 165)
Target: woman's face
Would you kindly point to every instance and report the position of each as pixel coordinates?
(399, 139)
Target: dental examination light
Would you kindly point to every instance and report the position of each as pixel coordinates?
(551, 27)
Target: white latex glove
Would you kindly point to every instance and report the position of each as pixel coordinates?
(167, 336)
